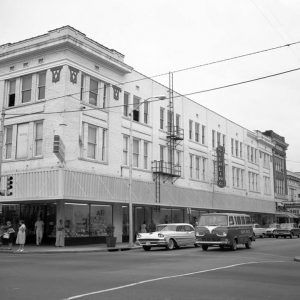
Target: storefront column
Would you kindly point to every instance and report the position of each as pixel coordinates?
(60, 211)
(118, 221)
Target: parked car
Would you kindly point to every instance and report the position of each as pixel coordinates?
(287, 229)
(170, 236)
(271, 228)
(259, 231)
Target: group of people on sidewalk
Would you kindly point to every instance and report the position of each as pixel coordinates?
(7, 234)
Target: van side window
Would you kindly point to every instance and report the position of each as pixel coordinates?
(231, 221)
(248, 221)
(238, 219)
(243, 220)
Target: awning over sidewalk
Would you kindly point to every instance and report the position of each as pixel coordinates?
(286, 214)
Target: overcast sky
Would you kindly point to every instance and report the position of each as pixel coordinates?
(159, 36)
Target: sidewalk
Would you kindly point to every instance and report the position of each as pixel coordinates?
(68, 249)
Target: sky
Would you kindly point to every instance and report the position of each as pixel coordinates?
(159, 36)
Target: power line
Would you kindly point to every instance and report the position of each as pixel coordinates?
(176, 96)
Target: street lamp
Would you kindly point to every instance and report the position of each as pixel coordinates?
(161, 97)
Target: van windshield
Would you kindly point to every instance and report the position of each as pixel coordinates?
(213, 220)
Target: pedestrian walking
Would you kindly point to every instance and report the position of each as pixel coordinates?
(21, 236)
(39, 230)
(60, 234)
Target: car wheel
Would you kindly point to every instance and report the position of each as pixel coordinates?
(248, 244)
(196, 245)
(263, 235)
(222, 247)
(285, 236)
(291, 236)
(233, 246)
(146, 248)
(204, 247)
(171, 244)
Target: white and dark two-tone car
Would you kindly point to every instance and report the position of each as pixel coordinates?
(170, 236)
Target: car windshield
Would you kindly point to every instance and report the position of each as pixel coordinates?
(213, 220)
(166, 227)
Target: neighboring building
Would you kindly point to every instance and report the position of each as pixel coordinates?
(65, 86)
(293, 202)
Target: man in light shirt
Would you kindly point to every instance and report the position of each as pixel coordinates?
(39, 230)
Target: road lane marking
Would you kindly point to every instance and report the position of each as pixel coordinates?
(167, 277)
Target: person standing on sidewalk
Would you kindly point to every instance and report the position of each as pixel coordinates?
(39, 230)
(60, 234)
(21, 236)
(9, 234)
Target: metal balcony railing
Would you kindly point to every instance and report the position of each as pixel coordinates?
(166, 168)
(175, 132)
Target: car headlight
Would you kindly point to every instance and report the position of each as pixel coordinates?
(160, 235)
(220, 232)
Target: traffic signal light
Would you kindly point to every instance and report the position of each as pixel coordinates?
(9, 185)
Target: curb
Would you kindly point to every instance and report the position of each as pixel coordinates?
(297, 258)
(54, 251)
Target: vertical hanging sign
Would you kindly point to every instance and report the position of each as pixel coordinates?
(221, 182)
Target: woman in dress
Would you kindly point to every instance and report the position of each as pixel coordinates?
(21, 237)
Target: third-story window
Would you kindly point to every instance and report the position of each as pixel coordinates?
(126, 104)
(197, 126)
(12, 92)
(92, 142)
(136, 112)
(177, 123)
(26, 88)
(161, 118)
(82, 87)
(8, 142)
(232, 146)
(169, 120)
(146, 112)
(203, 134)
(224, 140)
(146, 155)
(218, 138)
(93, 94)
(213, 135)
(241, 150)
(125, 150)
(38, 149)
(236, 148)
(190, 129)
(42, 85)
(135, 153)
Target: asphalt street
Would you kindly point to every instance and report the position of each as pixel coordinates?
(267, 271)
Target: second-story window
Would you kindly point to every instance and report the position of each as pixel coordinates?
(213, 134)
(218, 138)
(136, 112)
(203, 134)
(26, 88)
(92, 142)
(146, 112)
(125, 150)
(42, 85)
(146, 155)
(93, 94)
(161, 118)
(135, 153)
(22, 141)
(190, 129)
(12, 93)
(126, 104)
(8, 142)
(38, 140)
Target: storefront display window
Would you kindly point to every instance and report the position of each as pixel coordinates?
(76, 220)
(100, 217)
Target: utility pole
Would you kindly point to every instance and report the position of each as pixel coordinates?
(1, 141)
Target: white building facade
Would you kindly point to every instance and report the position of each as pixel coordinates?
(65, 84)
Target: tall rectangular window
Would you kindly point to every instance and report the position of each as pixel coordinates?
(12, 93)
(204, 161)
(169, 120)
(103, 146)
(218, 138)
(146, 155)
(197, 167)
(81, 87)
(136, 112)
(213, 135)
(135, 153)
(177, 123)
(242, 178)
(203, 134)
(125, 150)
(146, 112)
(126, 104)
(38, 140)
(161, 152)
(197, 125)
(26, 88)
(8, 141)
(42, 85)
(236, 148)
(104, 94)
(92, 142)
(161, 118)
(22, 141)
(233, 176)
(93, 94)
(232, 147)
(224, 140)
(241, 150)
(190, 129)
(191, 165)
